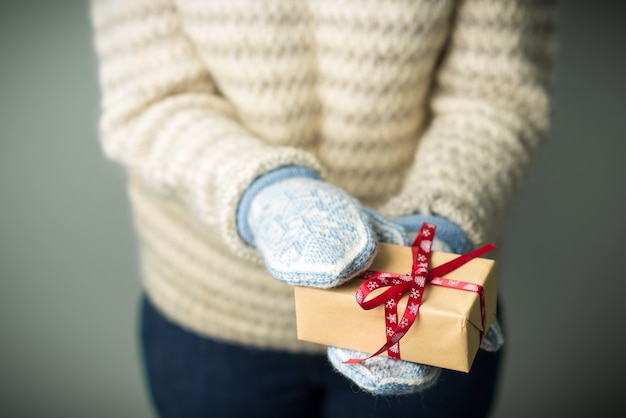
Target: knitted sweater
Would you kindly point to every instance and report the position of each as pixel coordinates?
(412, 106)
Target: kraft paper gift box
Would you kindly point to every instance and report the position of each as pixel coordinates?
(447, 330)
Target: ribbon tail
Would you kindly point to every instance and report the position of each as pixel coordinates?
(451, 265)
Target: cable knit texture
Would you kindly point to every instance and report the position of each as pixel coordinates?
(410, 106)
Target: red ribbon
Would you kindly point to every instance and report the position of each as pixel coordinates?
(414, 282)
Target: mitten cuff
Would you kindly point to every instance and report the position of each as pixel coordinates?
(259, 184)
(447, 231)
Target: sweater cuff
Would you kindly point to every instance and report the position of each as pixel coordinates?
(446, 231)
(261, 182)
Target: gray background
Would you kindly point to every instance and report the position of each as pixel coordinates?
(68, 274)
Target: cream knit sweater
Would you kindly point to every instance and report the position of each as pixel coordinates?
(412, 106)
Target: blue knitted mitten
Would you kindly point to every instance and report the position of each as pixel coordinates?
(309, 232)
(386, 376)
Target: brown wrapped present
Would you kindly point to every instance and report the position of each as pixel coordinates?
(448, 328)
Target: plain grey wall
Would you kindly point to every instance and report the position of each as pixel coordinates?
(68, 273)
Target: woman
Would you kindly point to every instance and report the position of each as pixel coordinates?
(275, 142)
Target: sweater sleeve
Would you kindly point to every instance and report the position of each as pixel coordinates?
(490, 113)
(165, 121)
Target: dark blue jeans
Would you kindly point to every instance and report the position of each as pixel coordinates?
(190, 376)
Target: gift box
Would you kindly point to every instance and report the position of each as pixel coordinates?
(446, 332)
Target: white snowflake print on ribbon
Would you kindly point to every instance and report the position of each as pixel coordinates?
(453, 283)
(392, 318)
(471, 287)
(413, 308)
(415, 293)
(394, 348)
(403, 323)
(359, 296)
(425, 245)
(389, 331)
(372, 285)
(390, 304)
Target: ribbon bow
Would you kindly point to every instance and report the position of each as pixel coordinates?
(414, 282)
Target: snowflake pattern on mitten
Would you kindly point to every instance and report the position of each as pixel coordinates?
(312, 233)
